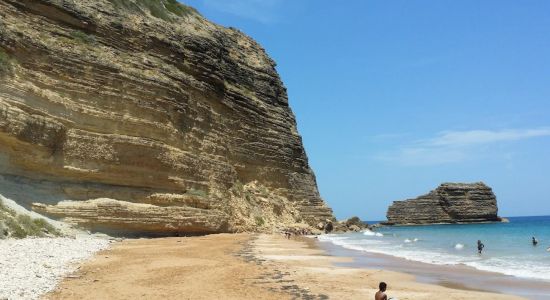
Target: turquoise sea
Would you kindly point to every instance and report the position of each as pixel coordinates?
(508, 248)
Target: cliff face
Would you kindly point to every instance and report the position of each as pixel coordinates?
(140, 115)
(449, 203)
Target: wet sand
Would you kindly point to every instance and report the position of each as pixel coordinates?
(238, 266)
(453, 276)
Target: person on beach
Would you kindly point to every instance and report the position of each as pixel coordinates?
(480, 246)
(381, 294)
(535, 242)
(329, 227)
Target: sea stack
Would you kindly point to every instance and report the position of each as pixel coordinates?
(448, 203)
(143, 116)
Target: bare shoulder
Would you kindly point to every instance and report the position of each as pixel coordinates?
(380, 296)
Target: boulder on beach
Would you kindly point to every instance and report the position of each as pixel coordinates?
(352, 224)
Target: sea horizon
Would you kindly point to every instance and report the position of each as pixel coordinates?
(372, 222)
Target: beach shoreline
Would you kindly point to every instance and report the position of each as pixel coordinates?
(239, 266)
(453, 276)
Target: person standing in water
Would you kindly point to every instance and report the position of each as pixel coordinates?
(480, 246)
(535, 242)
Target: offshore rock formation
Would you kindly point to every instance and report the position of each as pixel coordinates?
(449, 203)
(142, 116)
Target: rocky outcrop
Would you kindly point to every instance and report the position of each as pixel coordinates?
(141, 115)
(449, 203)
(353, 224)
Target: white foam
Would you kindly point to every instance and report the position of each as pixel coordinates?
(504, 265)
(368, 232)
(513, 267)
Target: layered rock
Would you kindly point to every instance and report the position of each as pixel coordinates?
(141, 115)
(449, 203)
(353, 224)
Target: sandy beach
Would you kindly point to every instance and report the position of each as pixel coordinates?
(238, 266)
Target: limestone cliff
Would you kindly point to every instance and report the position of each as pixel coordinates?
(141, 115)
(449, 203)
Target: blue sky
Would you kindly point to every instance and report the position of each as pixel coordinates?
(394, 97)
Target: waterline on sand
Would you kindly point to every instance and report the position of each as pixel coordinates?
(508, 248)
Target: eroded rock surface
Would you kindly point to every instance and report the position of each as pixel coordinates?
(141, 115)
(449, 203)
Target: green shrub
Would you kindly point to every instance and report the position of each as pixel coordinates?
(16, 230)
(21, 226)
(179, 9)
(237, 188)
(82, 37)
(248, 196)
(4, 210)
(34, 227)
(260, 221)
(162, 9)
(194, 192)
(125, 4)
(263, 191)
(6, 63)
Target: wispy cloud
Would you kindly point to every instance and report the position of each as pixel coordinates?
(458, 146)
(473, 137)
(264, 11)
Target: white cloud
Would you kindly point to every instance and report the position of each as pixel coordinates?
(472, 137)
(264, 11)
(458, 146)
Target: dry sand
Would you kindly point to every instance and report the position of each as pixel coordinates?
(207, 267)
(237, 266)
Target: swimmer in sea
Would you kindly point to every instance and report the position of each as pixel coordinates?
(480, 246)
(535, 242)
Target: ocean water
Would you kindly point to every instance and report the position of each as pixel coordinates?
(508, 248)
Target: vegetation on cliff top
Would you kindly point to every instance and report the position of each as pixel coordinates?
(162, 9)
(21, 226)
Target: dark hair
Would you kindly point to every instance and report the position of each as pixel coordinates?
(382, 286)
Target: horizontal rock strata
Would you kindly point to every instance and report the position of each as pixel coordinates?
(449, 203)
(142, 115)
